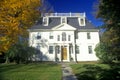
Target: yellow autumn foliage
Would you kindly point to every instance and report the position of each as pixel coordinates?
(16, 16)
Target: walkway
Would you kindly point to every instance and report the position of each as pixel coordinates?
(67, 72)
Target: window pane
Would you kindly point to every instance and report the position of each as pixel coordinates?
(69, 37)
(77, 49)
(38, 46)
(58, 38)
(57, 49)
(51, 49)
(82, 21)
(90, 49)
(88, 35)
(51, 37)
(71, 49)
(39, 37)
(76, 35)
(63, 36)
(44, 21)
(63, 20)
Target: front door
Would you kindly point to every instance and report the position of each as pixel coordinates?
(64, 53)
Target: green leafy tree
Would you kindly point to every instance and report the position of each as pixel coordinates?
(20, 53)
(109, 12)
(103, 52)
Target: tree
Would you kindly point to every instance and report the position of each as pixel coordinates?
(16, 16)
(20, 53)
(109, 12)
(103, 52)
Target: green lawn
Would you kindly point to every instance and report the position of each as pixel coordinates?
(33, 71)
(86, 71)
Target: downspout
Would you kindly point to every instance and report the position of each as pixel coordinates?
(75, 36)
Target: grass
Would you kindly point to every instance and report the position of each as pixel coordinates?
(95, 71)
(33, 71)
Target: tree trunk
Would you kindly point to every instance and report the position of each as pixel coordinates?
(7, 60)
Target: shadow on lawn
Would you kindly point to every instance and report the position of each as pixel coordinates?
(93, 72)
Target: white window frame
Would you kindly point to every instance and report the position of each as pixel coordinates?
(81, 21)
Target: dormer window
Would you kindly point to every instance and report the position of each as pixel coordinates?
(63, 20)
(45, 21)
(81, 22)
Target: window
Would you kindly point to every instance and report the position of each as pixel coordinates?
(71, 49)
(58, 38)
(76, 35)
(82, 21)
(63, 36)
(69, 37)
(90, 49)
(33, 36)
(63, 19)
(57, 49)
(88, 35)
(45, 21)
(50, 49)
(51, 36)
(38, 36)
(38, 46)
(77, 49)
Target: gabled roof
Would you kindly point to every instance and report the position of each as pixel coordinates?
(55, 21)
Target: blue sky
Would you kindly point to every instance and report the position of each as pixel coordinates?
(76, 6)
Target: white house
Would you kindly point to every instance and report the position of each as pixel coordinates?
(64, 37)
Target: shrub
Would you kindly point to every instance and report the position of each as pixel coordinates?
(104, 53)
